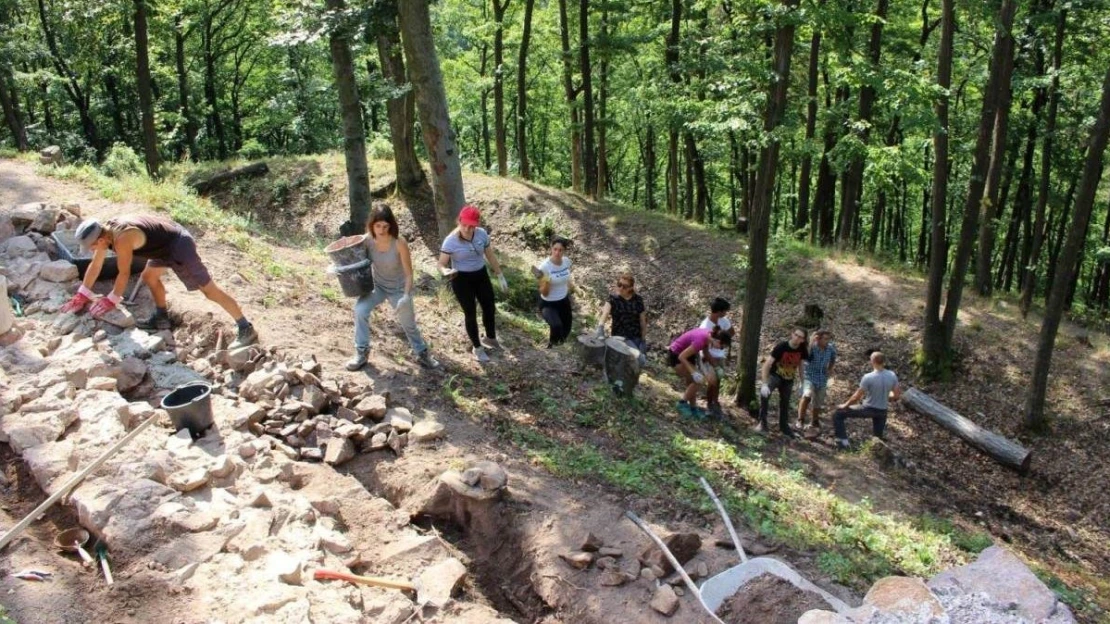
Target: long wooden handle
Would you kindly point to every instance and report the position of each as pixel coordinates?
(321, 575)
(107, 570)
(72, 483)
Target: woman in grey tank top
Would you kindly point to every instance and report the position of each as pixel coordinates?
(391, 265)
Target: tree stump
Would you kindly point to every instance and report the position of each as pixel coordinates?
(622, 366)
(592, 350)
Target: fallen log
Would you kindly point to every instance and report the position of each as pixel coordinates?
(997, 447)
(211, 182)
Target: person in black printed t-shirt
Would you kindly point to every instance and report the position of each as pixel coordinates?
(779, 372)
(629, 314)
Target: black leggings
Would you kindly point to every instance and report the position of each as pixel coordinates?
(559, 318)
(473, 288)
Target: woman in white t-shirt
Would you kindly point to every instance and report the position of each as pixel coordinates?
(555, 302)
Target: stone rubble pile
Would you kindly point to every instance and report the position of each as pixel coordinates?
(235, 509)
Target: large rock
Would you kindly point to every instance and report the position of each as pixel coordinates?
(38, 422)
(682, 545)
(136, 343)
(427, 431)
(373, 406)
(58, 271)
(22, 358)
(51, 156)
(339, 450)
(901, 595)
(665, 601)
(131, 374)
(1001, 575)
(50, 461)
(17, 246)
(436, 583)
(46, 220)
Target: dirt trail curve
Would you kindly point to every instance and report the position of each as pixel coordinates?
(516, 570)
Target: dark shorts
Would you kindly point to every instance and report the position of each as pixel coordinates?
(185, 262)
(672, 358)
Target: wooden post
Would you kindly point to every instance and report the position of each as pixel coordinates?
(999, 448)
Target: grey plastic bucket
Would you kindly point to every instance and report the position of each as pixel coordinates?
(190, 406)
(351, 264)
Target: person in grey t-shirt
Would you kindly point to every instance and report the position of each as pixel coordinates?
(874, 389)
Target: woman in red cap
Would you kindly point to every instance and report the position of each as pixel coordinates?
(463, 258)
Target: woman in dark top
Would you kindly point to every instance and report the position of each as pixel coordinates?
(629, 314)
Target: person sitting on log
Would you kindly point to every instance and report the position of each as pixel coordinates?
(391, 266)
(779, 372)
(165, 244)
(815, 384)
(629, 314)
(683, 356)
(876, 389)
(555, 300)
(717, 317)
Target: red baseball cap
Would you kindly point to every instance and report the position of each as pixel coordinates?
(469, 215)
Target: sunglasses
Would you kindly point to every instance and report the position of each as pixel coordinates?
(623, 285)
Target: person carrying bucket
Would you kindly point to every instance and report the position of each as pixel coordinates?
(165, 244)
(462, 259)
(391, 265)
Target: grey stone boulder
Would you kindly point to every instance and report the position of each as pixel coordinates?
(58, 271)
(999, 574)
(18, 246)
(436, 583)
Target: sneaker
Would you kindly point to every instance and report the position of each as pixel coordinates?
(155, 321)
(358, 360)
(246, 337)
(684, 409)
(425, 359)
(480, 355)
(490, 343)
(716, 412)
(842, 444)
(698, 413)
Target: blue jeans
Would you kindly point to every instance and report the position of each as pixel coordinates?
(406, 316)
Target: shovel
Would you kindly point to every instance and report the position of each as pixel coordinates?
(73, 540)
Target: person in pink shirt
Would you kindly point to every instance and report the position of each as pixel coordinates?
(686, 355)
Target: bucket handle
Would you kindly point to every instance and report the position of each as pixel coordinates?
(724, 515)
(347, 268)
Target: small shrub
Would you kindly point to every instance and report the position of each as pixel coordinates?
(252, 150)
(379, 148)
(122, 162)
(536, 230)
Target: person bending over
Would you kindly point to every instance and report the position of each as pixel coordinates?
(165, 245)
(685, 356)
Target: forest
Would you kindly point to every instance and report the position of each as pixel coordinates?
(961, 139)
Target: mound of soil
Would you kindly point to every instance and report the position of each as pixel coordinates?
(769, 599)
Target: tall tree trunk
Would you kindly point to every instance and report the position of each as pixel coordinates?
(934, 345)
(757, 278)
(1029, 282)
(354, 139)
(700, 198)
(180, 34)
(499, 9)
(852, 187)
(811, 130)
(979, 169)
(1056, 242)
(649, 166)
(602, 120)
(522, 93)
(572, 100)
(215, 122)
(77, 93)
(589, 154)
(401, 108)
(671, 58)
(146, 99)
(1065, 267)
(11, 111)
(990, 204)
(435, 120)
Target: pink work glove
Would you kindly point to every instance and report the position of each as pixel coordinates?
(79, 301)
(105, 305)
